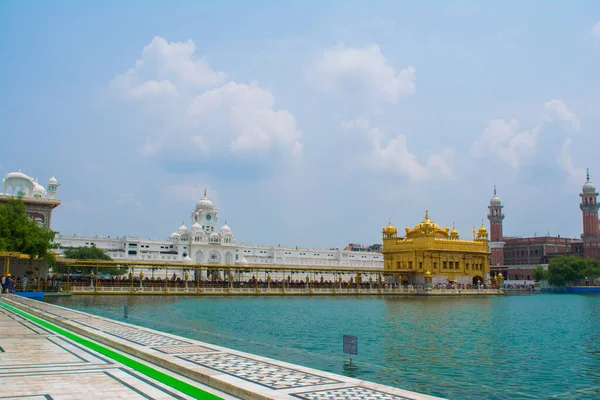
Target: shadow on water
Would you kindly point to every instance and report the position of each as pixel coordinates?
(510, 347)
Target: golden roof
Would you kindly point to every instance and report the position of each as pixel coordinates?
(390, 229)
(427, 228)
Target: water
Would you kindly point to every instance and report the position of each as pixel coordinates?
(511, 347)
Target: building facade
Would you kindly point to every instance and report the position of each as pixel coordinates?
(429, 249)
(39, 202)
(516, 257)
(203, 242)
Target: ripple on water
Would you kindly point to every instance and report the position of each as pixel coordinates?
(513, 347)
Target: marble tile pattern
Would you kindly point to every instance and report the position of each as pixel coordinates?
(254, 374)
(351, 393)
(269, 375)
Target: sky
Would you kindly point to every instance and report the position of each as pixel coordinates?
(309, 123)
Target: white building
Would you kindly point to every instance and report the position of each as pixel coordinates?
(39, 202)
(203, 242)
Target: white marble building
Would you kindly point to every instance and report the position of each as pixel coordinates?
(39, 202)
(203, 242)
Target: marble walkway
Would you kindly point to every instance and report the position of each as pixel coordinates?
(51, 352)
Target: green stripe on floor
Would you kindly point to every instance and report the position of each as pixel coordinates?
(168, 380)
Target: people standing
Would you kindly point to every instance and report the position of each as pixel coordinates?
(24, 283)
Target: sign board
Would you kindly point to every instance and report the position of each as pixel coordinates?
(350, 344)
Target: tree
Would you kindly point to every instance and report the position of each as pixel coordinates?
(566, 270)
(21, 234)
(89, 253)
(540, 274)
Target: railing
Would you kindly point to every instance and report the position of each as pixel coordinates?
(268, 290)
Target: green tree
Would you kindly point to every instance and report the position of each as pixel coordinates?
(540, 274)
(89, 253)
(21, 234)
(565, 270)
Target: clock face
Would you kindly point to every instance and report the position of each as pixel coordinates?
(208, 217)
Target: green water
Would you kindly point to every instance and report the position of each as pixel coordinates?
(512, 347)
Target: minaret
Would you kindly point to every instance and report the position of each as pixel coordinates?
(495, 217)
(591, 230)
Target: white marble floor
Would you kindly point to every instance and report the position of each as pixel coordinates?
(36, 363)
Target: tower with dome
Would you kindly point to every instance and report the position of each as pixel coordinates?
(591, 226)
(39, 201)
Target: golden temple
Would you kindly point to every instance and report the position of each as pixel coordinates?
(431, 254)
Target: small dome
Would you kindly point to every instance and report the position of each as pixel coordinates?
(390, 229)
(495, 201)
(482, 231)
(175, 235)
(52, 181)
(18, 175)
(38, 190)
(454, 233)
(589, 187)
(225, 229)
(182, 229)
(196, 227)
(204, 204)
(187, 260)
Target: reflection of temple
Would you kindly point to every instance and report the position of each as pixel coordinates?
(39, 206)
(429, 248)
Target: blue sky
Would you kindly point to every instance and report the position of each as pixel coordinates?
(310, 123)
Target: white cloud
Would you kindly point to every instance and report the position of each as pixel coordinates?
(596, 30)
(232, 117)
(368, 67)
(255, 124)
(396, 158)
(504, 139)
(565, 161)
(165, 59)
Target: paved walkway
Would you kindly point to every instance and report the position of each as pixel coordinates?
(51, 352)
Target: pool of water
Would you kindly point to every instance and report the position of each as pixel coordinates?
(511, 347)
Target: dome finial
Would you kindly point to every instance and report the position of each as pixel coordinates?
(494, 190)
(587, 174)
(204, 192)
(427, 214)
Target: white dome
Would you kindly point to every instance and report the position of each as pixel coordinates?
(225, 229)
(38, 190)
(495, 201)
(18, 175)
(52, 181)
(242, 261)
(589, 187)
(175, 235)
(187, 260)
(182, 229)
(204, 204)
(196, 227)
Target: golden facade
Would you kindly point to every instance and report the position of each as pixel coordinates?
(429, 250)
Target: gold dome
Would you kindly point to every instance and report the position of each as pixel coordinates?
(499, 276)
(390, 229)
(427, 228)
(454, 233)
(427, 273)
(482, 231)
